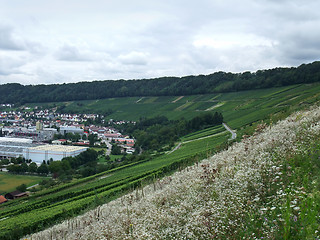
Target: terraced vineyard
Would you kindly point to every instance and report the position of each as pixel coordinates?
(58, 203)
(240, 109)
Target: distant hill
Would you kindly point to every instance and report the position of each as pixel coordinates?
(164, 86)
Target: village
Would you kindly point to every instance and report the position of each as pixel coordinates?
(43, 136)
(45, 130)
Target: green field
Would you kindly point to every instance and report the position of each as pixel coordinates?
(203, 133)
(9, 182)
(240, 110)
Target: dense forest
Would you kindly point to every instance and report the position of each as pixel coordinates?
(164, 86)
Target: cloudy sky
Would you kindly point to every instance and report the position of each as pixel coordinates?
(44, 42)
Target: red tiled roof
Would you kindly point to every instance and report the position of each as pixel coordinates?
(2, 199)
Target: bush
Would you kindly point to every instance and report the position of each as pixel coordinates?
(22, 188)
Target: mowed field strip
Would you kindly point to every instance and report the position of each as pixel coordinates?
(9, 182)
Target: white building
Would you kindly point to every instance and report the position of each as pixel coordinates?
(71, 129)
(15, 140)
(56, 152)
(14, 147)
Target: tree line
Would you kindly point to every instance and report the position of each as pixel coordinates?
(158, 132)
(65, 168)
(164, 86)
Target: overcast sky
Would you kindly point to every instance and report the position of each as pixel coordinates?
(44, 42)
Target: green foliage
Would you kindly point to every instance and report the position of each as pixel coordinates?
(69, 136)
(15, 168)
(4, 162)
(22, 187)
(115, 150)
(33, 167)
(298, 216)
(154, 133)
(92, 139)
(43, 169)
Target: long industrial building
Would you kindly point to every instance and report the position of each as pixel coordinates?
(16, 147)
(56, 152)
(13, 147)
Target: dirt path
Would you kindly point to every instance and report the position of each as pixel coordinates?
(139, 100)
(215, 106)
(177, 99)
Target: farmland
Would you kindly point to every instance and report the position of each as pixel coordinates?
(240, 110)
(9, 182)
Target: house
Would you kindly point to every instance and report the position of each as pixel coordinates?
(126, 141)
(59, 141)
(3, 199)
(111, 135)
(15, 194)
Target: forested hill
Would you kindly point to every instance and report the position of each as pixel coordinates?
(189, 85)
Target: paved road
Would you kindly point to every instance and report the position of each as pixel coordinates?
(234, 135)
(176, 148)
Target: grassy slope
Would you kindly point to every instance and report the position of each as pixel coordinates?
(265, 187)
(105, 187)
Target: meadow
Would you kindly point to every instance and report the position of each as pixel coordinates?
(9, 182)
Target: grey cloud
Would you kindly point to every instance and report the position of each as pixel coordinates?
(125, 39)
(50, 76)
(299, 43)
(9, 65)
(8, 40)
(71, 53)
(134, 58)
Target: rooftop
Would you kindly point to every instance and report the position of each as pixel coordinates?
(18, 144)
(2, 199)
(10, 149)
(57, 148)
(16, 140)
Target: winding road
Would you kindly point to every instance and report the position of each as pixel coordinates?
(234, 135)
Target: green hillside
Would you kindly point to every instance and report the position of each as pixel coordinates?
(240, 110)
